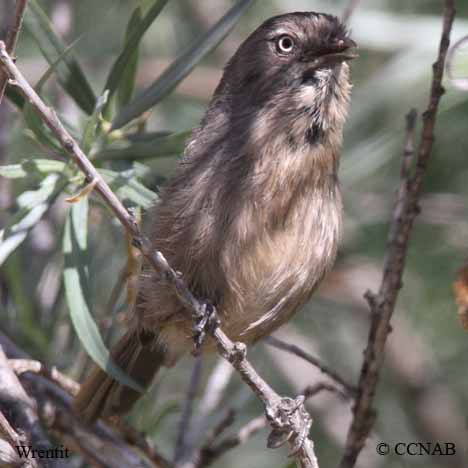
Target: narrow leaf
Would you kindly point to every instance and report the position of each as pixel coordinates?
(30, 167)
(32, 120)
(33, 205)
(127, 187)
(90, 131)
(69, 72)
(160, 146)
(182, 66)
(15, 97)
(123, 71)
(77, 293)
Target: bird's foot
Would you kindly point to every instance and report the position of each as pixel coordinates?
(205, 323)
(290, 420)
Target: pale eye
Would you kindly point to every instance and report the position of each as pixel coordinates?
(285, 44)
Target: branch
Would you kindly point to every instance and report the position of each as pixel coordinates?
(213, 449)
(20, 413)
(11, 39)
(285, 415)
(405, 211)
(183, 443)
(349, 390)
(116, 446)
(20, 366)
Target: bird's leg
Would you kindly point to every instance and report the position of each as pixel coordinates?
(289, 418)
(204, 323)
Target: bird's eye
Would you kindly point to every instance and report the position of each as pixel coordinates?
(285, 44)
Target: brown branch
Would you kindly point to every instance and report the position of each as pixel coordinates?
(349, 390)
(213, 449)
(285, 415)
(405, 211)
(20, 366)
(9, 440)
(103, 445)
(11, 40)
(21, 413)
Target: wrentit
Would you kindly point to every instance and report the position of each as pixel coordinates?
(252, 216)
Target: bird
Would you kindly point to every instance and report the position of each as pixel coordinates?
(252, 216)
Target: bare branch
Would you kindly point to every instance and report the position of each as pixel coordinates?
(20, 366)
(212, 450)
(285, 415)
(114, 446)
(11, 39)
(405, 211)
(349, 390)
(183, 443)
(21, 412)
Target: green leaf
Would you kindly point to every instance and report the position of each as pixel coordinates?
(69, 72)
(90, 131)
(15, 97)
(30, 167)
(122, 74)
(32, 120)
(76, 282)
(33, 205)
(182, 66)
(157, 147)
(127, 187)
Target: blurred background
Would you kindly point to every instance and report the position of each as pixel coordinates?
(423, 392)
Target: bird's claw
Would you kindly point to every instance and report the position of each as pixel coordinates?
(205, 323)
(289, 419)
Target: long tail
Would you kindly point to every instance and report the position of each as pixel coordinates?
(101, 395)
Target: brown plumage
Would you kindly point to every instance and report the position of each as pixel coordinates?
(252, 217)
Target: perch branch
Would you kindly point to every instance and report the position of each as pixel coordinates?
(285, 415)
(405, 211)
(11, 39)
(213, 448)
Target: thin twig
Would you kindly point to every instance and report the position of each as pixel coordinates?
(349, 389)
(405, 211)
(183, 442)
(21, 412)
(11, 40)
(213, 449)
(285, 414)
(210, 453)
(118, 447)
(20, 366)
(215, 387)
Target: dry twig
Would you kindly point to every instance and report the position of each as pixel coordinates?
(348, 389)
(286, 415)
(405, 211)
(183, 442)
(213, 449)
(20, 366)
(20, 413)
(112, 446)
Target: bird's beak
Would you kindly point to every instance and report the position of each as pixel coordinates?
(341, 51)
